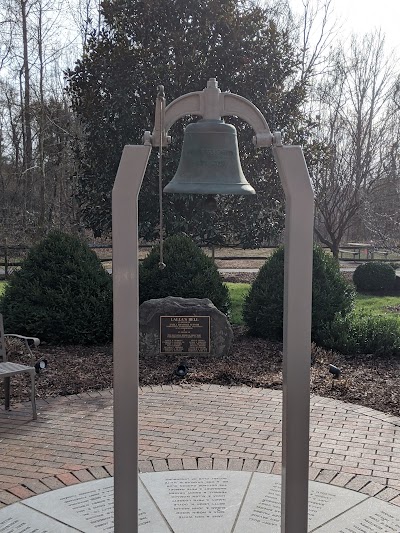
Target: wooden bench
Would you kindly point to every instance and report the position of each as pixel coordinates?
(355, 253)
(385, 253)
(8, 369)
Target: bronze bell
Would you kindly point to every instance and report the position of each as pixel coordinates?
(210, 161)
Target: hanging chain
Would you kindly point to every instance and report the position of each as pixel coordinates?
(160, 96)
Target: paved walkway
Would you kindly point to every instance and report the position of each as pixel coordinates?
(195, 427)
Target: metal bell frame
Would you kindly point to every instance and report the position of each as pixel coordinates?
(211, 103)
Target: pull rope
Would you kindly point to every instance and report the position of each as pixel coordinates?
(160, 96)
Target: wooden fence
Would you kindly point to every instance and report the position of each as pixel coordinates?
(11, 255)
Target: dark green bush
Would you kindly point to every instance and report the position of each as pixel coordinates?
(374, 276)
(189, 273)
(360, 333)
(61, 294)
(263, 308)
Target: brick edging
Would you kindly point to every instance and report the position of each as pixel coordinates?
(355, 482)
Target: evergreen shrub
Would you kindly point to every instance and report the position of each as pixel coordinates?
(61, 294)
(361, 333)
(374, 276)
(189, 273)
(263, 307)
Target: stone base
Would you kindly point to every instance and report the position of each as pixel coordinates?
(199, 501)
(185, 339)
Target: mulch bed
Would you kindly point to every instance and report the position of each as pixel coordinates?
(240, 277)
(366, 380)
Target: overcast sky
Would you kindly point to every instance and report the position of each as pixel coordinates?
(361, 16)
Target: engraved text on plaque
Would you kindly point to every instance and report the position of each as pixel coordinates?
(184, 334)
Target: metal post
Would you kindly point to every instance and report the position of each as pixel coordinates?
(126, 335)
(296, 336)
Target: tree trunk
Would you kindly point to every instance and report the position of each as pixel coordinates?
(335, 249)
(26, 108)
(42, 187)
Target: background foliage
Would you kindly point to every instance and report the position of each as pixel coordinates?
(182, 44)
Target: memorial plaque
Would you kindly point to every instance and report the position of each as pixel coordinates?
(95, 505)
(198, 501)
(184, 334)
(371, 516)
(262, 505)
(20, 519)
(89, 507)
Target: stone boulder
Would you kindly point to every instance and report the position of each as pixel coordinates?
(221, 334)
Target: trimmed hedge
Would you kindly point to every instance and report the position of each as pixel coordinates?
(61, 294)
(374, 276)
(189, 273)
(361, 333)
(263, 308)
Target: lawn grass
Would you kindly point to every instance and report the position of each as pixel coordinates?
(377, 305)
(237, 292)
(374, 305)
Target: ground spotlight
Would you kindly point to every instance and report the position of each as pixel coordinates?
(40, 365)
(181, 370)
(335, 371)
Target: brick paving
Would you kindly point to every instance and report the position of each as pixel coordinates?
(195, 427)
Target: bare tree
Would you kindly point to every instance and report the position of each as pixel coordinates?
(86, 18)
(36, 125)
(348, 163)
(317, 30)
(381, 213)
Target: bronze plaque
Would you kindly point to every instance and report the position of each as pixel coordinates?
(184, 334)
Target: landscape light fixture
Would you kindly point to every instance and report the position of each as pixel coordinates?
(181, 370)
(40, 365)
(335, 371)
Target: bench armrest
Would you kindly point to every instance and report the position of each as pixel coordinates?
(33, 340)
